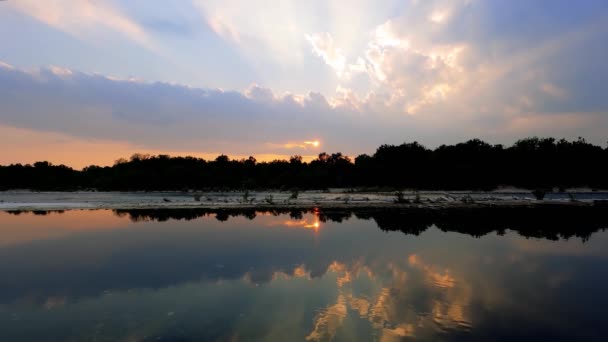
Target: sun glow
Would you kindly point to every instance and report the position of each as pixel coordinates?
(438, 16)
(304, 144)
(314, 143)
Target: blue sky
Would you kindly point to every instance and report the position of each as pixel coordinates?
(261, 77)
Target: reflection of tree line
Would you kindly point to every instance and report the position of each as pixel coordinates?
(548, 221)
(35, 212)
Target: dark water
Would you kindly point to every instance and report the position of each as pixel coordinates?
(199, 276)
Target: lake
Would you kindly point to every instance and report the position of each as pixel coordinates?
(297, 275)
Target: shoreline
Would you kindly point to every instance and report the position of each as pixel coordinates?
(268, 200)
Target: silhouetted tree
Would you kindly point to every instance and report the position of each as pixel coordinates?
(534, 163)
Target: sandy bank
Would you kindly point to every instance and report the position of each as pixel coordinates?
(27, 200)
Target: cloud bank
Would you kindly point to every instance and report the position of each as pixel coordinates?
(435, 71)
(161, 115)
(257, 120)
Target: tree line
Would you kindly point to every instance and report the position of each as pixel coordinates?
(473, 165)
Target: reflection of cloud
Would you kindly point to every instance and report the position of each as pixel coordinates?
(399, 275)
(361, 305)
(448, 311)
(298, 272)
(397, 333)
(341, 269)
(438, 279)
(382, 314)
(328, 321)
(54, 302)
(451, 314)
(442, 280)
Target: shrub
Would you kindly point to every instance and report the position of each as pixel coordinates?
(539, 194)
(417, 199)
(400, 197)
(467, 199)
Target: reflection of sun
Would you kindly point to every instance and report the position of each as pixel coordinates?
(314, 226)
(304, 224)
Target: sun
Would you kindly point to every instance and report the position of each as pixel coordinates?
(313, 143)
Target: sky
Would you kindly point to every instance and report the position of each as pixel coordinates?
(87, 82)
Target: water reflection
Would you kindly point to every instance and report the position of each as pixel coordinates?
(312, 275)
(387, 308)
(549, 221)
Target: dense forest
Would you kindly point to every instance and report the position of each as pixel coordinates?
(472, 165)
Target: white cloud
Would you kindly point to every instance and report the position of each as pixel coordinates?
(260, 94)
(83, 18)
(438, 16)
(554, 91)
(323, 46)
(262, 29)
(5, 65)
(267, 29)
(420, 75)
(425, 68)
(224, 28)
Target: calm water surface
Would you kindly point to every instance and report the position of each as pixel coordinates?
(127, 276)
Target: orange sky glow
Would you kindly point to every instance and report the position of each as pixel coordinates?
(27, 146)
